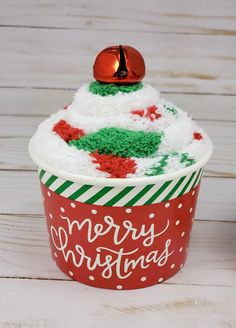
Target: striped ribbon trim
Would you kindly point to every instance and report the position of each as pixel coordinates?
(127, 196)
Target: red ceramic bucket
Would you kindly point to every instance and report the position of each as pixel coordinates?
(120, 233)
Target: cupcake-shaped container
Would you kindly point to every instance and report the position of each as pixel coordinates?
(120, 170)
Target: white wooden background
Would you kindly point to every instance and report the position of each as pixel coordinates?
(47, 48)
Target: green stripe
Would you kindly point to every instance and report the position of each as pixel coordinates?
(50, 180)
(139, 195)
(98, 195)
(79, 192)
(157, 193)
(119, 196)
(201, 174)
(41, 174)
(195, 181)
(63, 187)
(187, 184)
(173, 190)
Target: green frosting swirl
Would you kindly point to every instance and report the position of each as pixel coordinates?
(107, 89)
(120, 142)
(159, 167)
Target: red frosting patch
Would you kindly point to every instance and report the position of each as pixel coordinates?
(117, 167)
(197, 136)
(67, 132)
(139, 112)
(151, 113)
(66, 106)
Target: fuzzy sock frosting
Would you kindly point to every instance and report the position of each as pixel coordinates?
(119, 132)
(106, 89)
(120, 142)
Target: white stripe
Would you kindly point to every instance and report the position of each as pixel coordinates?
(165, 192)
(115, 191)
(168, 189)
(176, 193)
(70, 190)
(46, 177)
(89, 193)
(129, 196)
(190, 185)
(199, 178)
(112, 193)
(149, 194)
(57, 183)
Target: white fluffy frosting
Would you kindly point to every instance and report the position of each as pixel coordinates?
(92, 112)
(88, 103)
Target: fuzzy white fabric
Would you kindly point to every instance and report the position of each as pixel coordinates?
(88, 103)
(92, 112)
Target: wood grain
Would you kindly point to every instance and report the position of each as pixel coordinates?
(58, 304)
(25, 253)
(47, 101)
(18, 126)
(47, 49)
(22, 188)
(223, 136)
(64, 58)
(210, 17)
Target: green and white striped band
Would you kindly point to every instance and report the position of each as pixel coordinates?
(118, 196)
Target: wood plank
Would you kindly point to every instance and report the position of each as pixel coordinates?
(24, 252)
(64, 58)
(16, 130)
(18, 126)
(47, 101)
(217, 199)
(211, 17)
(45, 304)
(39, 101)
(223, 136)
(14, 154)
(61, 56)
(21, 195)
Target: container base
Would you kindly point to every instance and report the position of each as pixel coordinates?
(119, 247)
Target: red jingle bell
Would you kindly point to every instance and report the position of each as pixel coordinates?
(119, 65)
